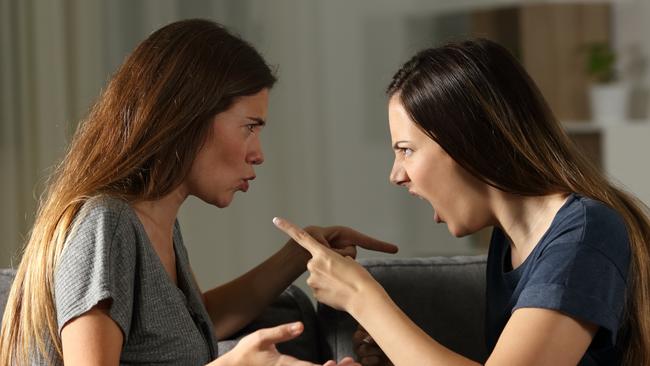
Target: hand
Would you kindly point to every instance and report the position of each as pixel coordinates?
(347, 361)
(258, 348)
(367, 349)
(336, 280)
(345, 240)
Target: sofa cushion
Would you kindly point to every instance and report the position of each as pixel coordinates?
(445, 296)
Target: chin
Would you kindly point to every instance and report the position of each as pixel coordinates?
(458, 232)
(221, 202)
(463, 231)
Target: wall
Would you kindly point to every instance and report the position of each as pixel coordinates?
(327, 145)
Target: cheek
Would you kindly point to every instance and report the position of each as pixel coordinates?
(426, 176)
(231, 154)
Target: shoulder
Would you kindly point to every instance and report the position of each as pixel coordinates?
(102, 206)
(588, 222)
(102, 224)
(101, 214)
(586, 228)
(98, 261)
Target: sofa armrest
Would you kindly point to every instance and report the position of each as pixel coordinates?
(445, 296)
(292, 305)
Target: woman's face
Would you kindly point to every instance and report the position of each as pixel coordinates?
(427, 171)
(225, 163)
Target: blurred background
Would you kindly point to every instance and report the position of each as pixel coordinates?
(327, 144)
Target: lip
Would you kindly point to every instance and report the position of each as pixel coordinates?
(412, 193)
(244, 185)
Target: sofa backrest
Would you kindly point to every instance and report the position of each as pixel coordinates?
(445, 296)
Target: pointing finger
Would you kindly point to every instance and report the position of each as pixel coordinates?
(299, 235)
(367, 242)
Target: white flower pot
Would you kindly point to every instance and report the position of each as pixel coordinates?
(609, 102)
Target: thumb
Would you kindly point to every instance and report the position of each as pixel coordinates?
(279, 334)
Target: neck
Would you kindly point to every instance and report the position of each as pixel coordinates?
(160, 215)
(525, 219)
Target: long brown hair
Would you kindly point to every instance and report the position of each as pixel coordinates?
(137, 143)
(479, 104)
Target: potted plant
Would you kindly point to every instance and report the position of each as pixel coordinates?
(608, 96)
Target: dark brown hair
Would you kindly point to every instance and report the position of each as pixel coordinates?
(137, 143)
(479, 104)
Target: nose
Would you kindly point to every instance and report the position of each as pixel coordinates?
(398, 174)
(255, 155)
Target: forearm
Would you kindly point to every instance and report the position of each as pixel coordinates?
(403, 342)
(233, 305)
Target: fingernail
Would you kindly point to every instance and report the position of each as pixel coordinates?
(276, 221)
(296, 327)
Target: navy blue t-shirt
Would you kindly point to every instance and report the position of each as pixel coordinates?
(579, 267)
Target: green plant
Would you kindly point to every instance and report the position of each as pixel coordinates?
(600, 62)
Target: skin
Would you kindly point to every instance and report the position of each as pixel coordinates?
(223, 166)
(532, 336)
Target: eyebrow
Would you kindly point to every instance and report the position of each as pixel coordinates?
(395, 147)
(259, 121)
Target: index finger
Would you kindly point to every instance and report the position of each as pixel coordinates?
(367, 242)
(299, 235)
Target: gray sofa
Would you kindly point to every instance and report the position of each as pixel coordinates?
(444, 295)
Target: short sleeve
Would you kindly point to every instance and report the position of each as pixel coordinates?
(97, 263)
(580, 281)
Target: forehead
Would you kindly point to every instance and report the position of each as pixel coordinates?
(255, 105)
(400, 122)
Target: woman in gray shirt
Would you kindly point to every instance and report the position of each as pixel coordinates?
(105, 277)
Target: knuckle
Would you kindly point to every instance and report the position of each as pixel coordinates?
(311, 265)
(257, 337)
(328, 263)
(301, 234)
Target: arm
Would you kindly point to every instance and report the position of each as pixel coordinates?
(92, 338)
(236, 303)
(233, 305)
(403, 342)
(533, 336)
(95, 339)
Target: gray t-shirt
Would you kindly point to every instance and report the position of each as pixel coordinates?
(108, 256)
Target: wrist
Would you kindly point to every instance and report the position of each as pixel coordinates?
(369, 298)
(296, 255)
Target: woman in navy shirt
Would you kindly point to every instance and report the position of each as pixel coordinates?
(568, 268)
